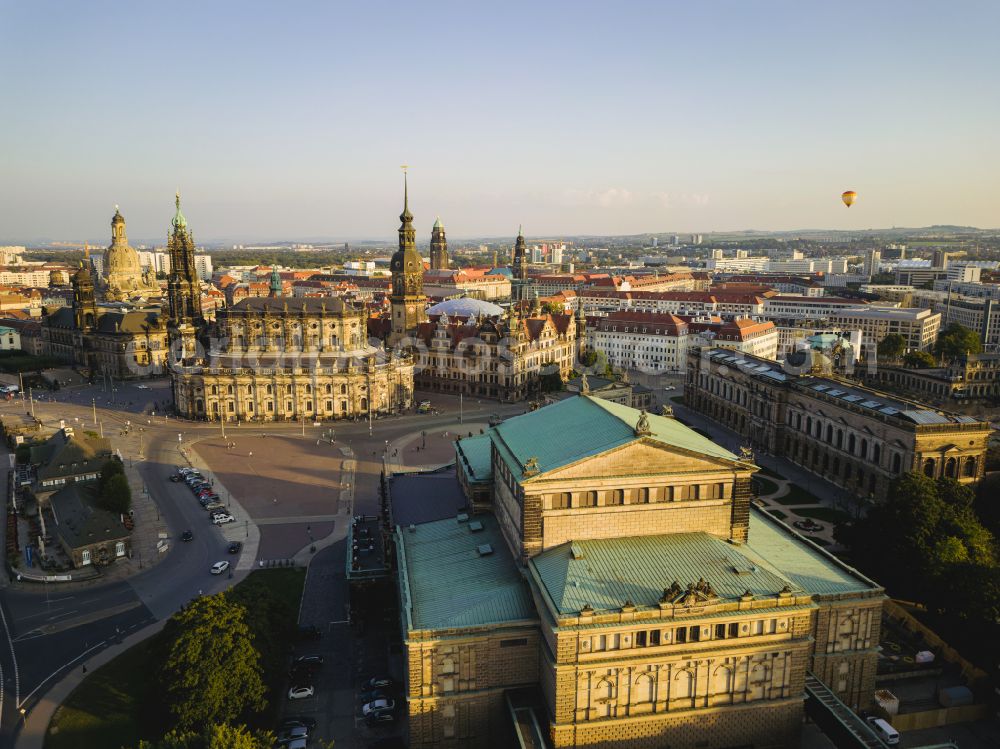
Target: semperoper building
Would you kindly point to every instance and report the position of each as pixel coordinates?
(621, 576)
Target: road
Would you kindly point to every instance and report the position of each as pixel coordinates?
(53, 629)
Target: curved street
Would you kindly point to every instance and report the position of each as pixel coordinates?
(54, 629)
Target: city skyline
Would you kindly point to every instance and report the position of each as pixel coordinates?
(630, 120)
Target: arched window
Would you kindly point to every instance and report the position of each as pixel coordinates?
(876, 453)
(722, 685)
(229, 389)
(897, 462)
(951, 468)
(969, 469)
(682, 686)
(643, 691)
(851, 444)
(364, 404)
(268, 389)
(864, 449)
(829, 434)
(929, 467)
(343, 389)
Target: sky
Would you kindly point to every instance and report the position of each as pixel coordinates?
(291, 120)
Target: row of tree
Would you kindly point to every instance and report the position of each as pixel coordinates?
(952, 342)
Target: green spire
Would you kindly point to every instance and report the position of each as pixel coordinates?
(179, 221)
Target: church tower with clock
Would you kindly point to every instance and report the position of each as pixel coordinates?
(407, 267)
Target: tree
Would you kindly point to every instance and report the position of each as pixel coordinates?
(919, 360)
(892, 346)
(957, 340)
(116, 494)
(212, 673)
(112, 467)
(918, 539)
(218, 736)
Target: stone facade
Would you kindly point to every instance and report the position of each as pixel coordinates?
(852, 436)
(123, 276)
(275, 359)
(455, 686)
(692, 668)
(499, 357)
(123, 343)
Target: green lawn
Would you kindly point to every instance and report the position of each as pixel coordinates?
(119, 704)
(797, 496)
(827, 514)
(105, 709)
(764, 487)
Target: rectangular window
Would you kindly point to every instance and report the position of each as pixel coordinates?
(561, 501)
(681, 635)
(695, 634)
(734, 629)
(720, 631)
(654, 637)
(120, 549)
(516, 643)
(640, 639)
(758, 627)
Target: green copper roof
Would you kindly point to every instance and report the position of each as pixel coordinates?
(475, 457)
(606, 573)
(447, 583)
(581, 427)
(610, 572)
(179, 221)
(438, 224)
(774, 545)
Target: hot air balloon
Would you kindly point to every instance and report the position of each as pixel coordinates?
(849, 197)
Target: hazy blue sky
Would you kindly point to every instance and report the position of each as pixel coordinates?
(290, 119)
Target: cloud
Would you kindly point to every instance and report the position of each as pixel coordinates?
(613, 196)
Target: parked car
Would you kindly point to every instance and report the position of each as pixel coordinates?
(292, 733)
(377, 718)
(215, 506)
(176, 478)
(377, 682)
(219, 567)
(384, 705)
(309, 660)
(297, 744)
(187, 536)
(222, 519)
(300, 693)
(297, 720)
(235, 547)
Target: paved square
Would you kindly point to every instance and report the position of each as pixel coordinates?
(284, 483)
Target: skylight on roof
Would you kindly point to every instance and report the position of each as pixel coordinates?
(871, 404)
(821, 387)
(889, 411)
(853, 398)
(836, 392)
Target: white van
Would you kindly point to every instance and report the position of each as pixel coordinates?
(884, 731)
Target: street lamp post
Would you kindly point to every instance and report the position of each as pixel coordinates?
(93, 404)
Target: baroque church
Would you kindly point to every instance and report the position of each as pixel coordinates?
(281, 358)
(120, 340)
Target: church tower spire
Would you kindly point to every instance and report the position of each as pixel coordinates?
(439, 246)
(407, 267)
(183, 285)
